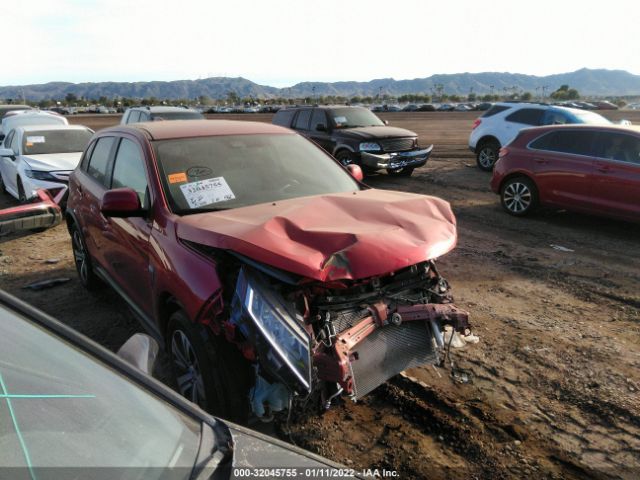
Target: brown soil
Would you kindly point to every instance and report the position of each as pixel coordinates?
(550, 391)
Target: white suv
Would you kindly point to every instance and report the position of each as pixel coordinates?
(501, 123)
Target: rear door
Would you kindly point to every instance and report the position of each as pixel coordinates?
(319, 130)
(89, 185)
(516, 121)
(616, 185)
(126, 240)
(563, 164)
(302, 121)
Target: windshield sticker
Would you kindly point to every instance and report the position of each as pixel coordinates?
(206, 192)
(35, 139)
(177, 177)
(340, 120)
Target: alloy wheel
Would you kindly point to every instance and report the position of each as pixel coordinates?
(487, 157)
(188, 373)
(517, 197)
(80, 256)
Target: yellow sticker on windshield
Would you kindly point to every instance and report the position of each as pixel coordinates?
(177, 177)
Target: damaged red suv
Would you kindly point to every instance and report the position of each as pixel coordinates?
(276, 280)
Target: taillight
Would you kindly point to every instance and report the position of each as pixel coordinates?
(503, 152)
(476, 123)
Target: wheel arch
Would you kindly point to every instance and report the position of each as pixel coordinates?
(485, 139)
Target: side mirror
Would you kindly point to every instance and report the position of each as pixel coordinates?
(140, 351)
(321, 127)
(120, 203)
(355, 171)
(7, 152)
(386, 122)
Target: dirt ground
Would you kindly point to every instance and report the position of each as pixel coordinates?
(551, 391)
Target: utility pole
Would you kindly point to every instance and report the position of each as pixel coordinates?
(491, 87)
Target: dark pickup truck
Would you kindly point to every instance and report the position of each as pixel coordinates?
(356, 135)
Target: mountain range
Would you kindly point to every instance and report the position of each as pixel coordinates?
(589, 82)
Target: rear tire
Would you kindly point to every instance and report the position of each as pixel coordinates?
(82, 261)
(519, 196)
(209, 371)
(487, 155)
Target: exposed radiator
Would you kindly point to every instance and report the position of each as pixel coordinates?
(388, 351)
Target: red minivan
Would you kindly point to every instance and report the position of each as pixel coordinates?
(586, 168)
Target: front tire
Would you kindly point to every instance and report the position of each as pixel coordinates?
(519, 196)
(3, 187)
(22, 197)
(209, 371)
(487, 155)
(345, 157)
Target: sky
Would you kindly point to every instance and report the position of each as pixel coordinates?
(283, 42)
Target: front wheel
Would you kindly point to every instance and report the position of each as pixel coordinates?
(209, 371)
(519, 196)
(22, 197)
(345, 157)
(487, 155)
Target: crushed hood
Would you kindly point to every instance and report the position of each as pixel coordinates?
(332, 237)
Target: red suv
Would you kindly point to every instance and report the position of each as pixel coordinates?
(276, 279)
(592, 169)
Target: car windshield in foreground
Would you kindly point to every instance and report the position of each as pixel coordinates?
(61, 408)
(222, 172)
(55, 141)
(354, 117)
(186, 115)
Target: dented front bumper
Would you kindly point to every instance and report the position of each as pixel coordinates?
(44, 213)
(395, 160)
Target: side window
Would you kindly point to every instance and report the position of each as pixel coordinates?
(87, 156)
(527, 116)
(619, 146)
(552, 117)
(8, 138)
(15, 142)
(284, 118)
(566, 141)
(144, 117)
(494, 110)
(129, 171)
(100, 159)
(318, 118)
(302, 120)
(134, 116)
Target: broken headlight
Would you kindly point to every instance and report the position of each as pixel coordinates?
(282, 344)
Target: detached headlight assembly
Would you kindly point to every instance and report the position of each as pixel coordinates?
(39, 175)
(282, 343)
(369, 147)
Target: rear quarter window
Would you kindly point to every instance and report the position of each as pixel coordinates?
(494, 110)
(99, 160)
(527, 116)
(284, 118)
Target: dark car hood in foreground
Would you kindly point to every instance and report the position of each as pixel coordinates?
(332, 237)
(366, 133)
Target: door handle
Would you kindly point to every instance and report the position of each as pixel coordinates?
(604, 169)
(541, 161)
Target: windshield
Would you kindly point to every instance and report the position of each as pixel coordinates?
(221, 172)
(177, 115)
(55, 141)
(61, 408)
(354, 117)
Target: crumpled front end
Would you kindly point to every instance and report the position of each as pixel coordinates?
(313, 342)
